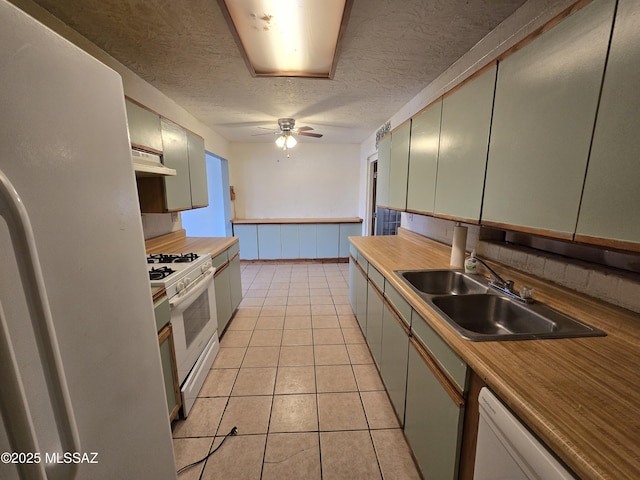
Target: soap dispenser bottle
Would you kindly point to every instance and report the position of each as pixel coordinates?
(471, 264)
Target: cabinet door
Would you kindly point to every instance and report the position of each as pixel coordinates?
(197, 171)
(464, 141)
(248, 238)
(144, 127)
(433, 421)
(328, 240)
(393, 359)
(544, 113)
(290, 241)
(348, 230)
(235, 282)
(374, 321)
(169, 371)
(353, 271)
(177, 188)
(361, 299)
(399, 168)
(269, 246)
(423, 159)
(611, 195)
(384, 166)
(223, 298)
(308, 240)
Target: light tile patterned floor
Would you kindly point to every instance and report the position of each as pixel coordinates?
(295, 377)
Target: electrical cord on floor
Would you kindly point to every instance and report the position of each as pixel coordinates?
(232, 432)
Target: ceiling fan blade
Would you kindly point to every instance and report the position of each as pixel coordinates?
(268, 133)
(305, 134)
(304, 129)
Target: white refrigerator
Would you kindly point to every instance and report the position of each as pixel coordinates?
(81, 388)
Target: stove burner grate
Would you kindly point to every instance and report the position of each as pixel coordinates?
(160, 273)
(172, 258)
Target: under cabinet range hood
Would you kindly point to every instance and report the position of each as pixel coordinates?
(149, 164)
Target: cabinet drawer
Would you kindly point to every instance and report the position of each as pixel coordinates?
(363, 262)
(376, 277)
(220, 259)
(162, 312)
(233, 249)
(399, 303)
(449, 360)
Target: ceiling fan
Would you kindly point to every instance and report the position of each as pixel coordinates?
(287, 131)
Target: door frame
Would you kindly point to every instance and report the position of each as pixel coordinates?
(370, 207)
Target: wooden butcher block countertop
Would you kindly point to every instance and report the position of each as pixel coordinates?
(580, 396)
(178, 242)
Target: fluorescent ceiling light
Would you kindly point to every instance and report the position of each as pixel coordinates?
(295, 38)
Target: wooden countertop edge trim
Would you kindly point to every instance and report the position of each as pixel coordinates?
(535, 419)
(264, 221)
(178, 242)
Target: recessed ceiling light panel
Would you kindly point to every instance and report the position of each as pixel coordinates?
(295, 38)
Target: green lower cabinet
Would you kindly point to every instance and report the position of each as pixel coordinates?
(248, 237)
(235, 283)
(360, 295)
(223, 298)
(169, 371)
(353, 271)
(393, 360)
(269, 246)
(328, 240)
(433, 421)
(374, 322)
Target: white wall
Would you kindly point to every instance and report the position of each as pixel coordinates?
(315, 181)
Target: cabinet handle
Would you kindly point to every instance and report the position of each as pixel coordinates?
(441, 377)
(13, 402)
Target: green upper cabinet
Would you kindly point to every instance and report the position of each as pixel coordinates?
(384, 165)
(464, 140)
(197, 171)
(611, 195)
(144, 127)
(184, 152)
(399, 168)
(544, 114)
(176, 156)
(423, 159)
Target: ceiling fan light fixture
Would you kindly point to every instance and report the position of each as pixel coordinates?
(291, 141)
(280, 141)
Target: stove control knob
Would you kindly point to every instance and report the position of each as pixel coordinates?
(180, 286)
(206, 267)
(187, 281)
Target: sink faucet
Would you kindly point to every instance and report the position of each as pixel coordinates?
(506, 286)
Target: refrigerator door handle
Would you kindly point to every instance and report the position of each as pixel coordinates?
(24, 245)
(14, 408)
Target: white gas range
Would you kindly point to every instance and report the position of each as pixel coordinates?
(188, 281)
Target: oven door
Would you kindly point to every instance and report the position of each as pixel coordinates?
(193, 317)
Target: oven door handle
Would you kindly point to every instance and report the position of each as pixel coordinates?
(184, 298)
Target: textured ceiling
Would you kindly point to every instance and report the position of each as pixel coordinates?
(391, 50)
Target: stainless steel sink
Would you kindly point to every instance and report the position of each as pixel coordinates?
(478, 313)
(442, 282)
(494, 317)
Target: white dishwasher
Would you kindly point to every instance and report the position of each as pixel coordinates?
(506, 450)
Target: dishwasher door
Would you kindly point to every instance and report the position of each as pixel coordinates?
(506, 450)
